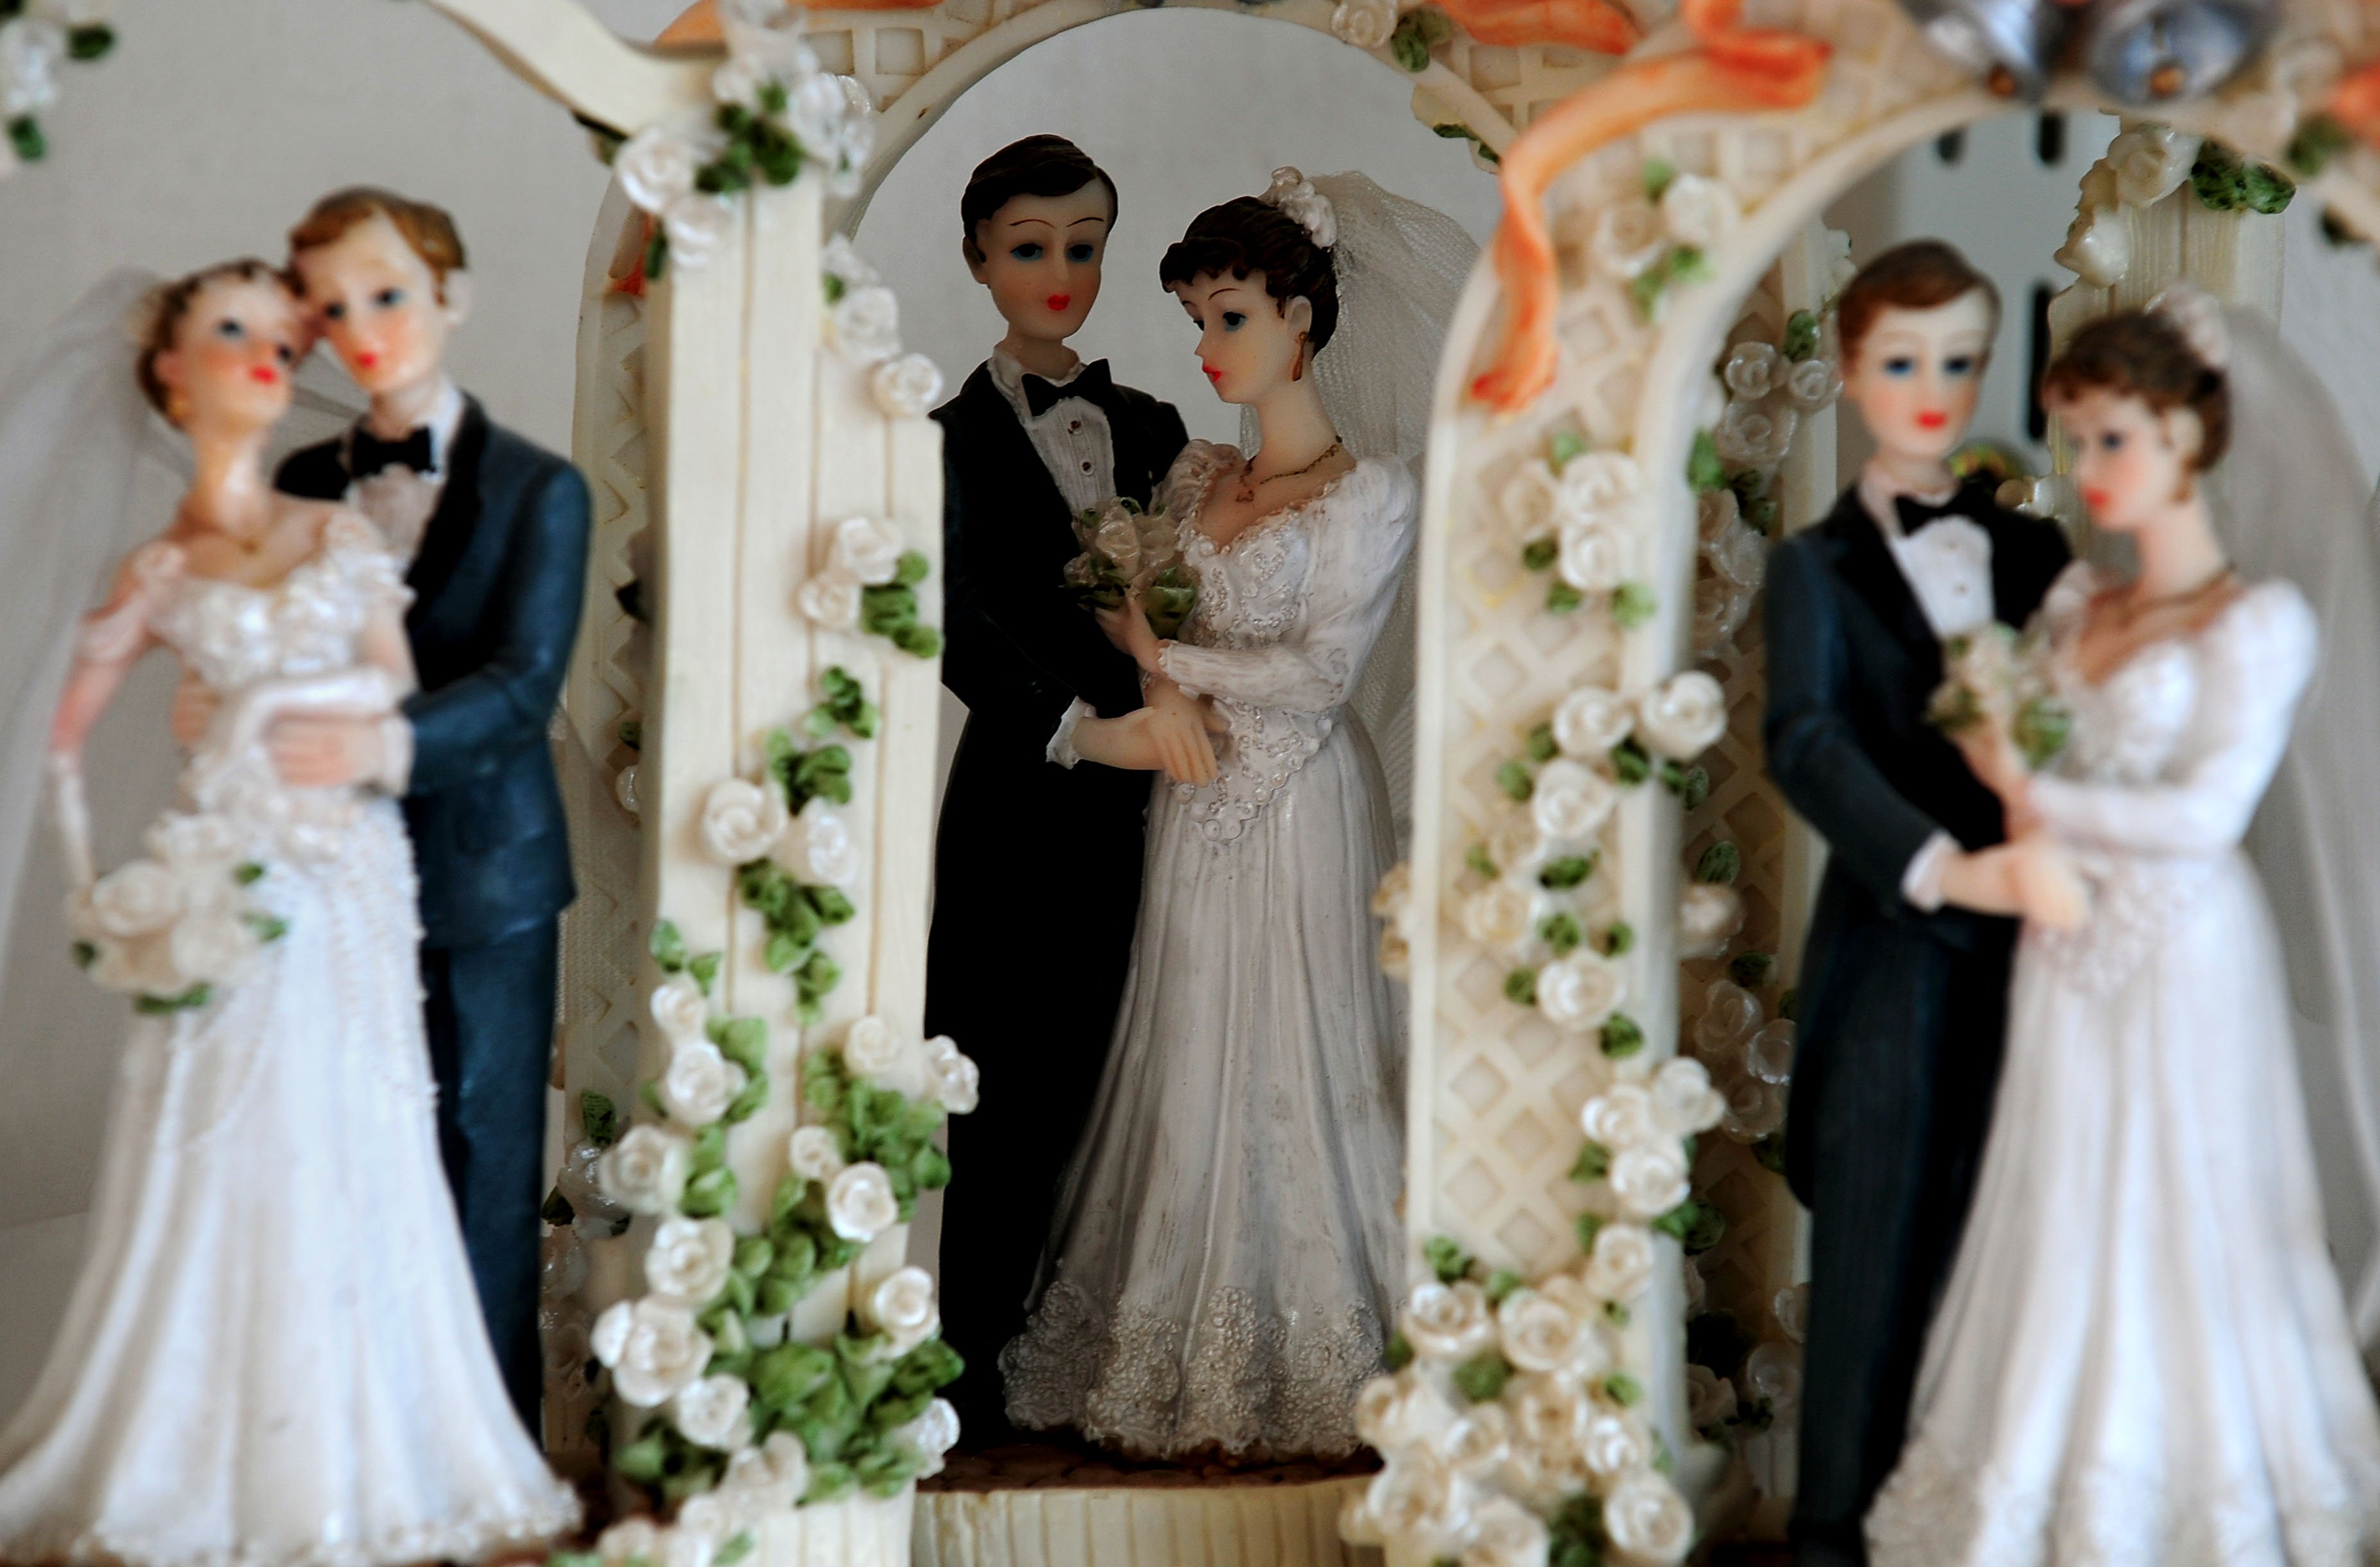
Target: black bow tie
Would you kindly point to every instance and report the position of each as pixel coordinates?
(1916, 515)
(1093, 385)
(368, 453)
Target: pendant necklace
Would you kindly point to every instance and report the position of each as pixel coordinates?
(1249, 486)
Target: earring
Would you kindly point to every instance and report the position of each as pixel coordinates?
(1297, 365)
(177, 404)
(2155, 51)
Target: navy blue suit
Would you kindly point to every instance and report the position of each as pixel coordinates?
(498, 585)
(1902, 1011)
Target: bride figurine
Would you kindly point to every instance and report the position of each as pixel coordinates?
(2142, 1355)
(273, 1353)
(1227, 1246)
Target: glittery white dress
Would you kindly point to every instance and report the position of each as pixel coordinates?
(2142, 1355)
(1227, 1246)
(274, 1356)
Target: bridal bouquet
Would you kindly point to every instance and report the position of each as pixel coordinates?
(2000, 677)
(175, 926)
(1128, 548)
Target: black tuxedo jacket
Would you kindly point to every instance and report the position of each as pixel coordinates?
(498, 586)
(1853, 665)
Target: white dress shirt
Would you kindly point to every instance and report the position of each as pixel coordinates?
(1071, 437)
(1948, 565)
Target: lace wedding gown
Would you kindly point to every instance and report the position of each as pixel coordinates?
(2142, 1355)
(274, 1356)
(1227, 1246)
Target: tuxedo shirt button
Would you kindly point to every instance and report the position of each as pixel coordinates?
(1073, 425)
(1086, 468)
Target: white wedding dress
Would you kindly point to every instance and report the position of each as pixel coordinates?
(1227, 1247)
(2143, 1354)
(274, 1356)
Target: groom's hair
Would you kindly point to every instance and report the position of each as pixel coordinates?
(1923, 274)
(1038, 166)
(426, 229)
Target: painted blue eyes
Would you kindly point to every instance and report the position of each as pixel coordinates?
(229, 330)
(1900, 365)
(1079, 253)
(2111, 441)
(1233, 321)
(389, 298)
(1029, 251)
(1960, 364)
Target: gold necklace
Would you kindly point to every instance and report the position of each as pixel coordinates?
(1247, 490)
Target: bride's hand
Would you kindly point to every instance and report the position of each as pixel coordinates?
(1127, 626)
(2049, 889)
(1177, 725)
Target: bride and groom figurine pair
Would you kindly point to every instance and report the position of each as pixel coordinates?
(305, 1326)
(2070, 1298)
(1181, 1233)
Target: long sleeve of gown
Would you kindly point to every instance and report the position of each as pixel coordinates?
(1350, 592)
(2254, 663)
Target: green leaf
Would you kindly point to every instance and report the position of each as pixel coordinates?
(556, 1210)
(1562, 932)
(1561, 598)
(734, 1550)
(1589, 1226)
(1751, 971)
(1562, 445)
(85, 954)
(782, 954)
(1514, 780)
(1541, 743)
(1397, 1353)
(745, 1041)
(1633, 604)
(1697, 1222)
(1695, 788)
(1570, 871)
(831, 904)
(931, 1366)
(268, 927)
(746, 1104)
(25, 136)
(657, 255)
(1705, 472)
(1618, 938)
(191, 1000)
(1475, 856)
(1413, 38)
(709, 1149)
(709, 1195)
(754, 1254)
(248, 874)
(787, 1376)
(1658, 173)
(1630, 765)
(1500, 1284)
(1770, 1152)
(1539, 555)
(1622, 1390)
(1800, 335)
(1645, 290)
(1619, 1315)
(91, 41)
(912, 568)
(599, 1118)
(1788, 1005)
(1720, 864)
(1688, 264)
(642, 1459)
(1593, 1162)
(1446, 1258)
(1455, 130)
(918, 641)
(667, 946)
(1621, 1037)
(2319, 138)
(1520, 987)
(1481, 1379)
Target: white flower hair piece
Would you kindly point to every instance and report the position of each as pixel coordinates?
(1294, 194)
(2198, 316)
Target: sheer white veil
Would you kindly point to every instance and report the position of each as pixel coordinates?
(2294, 502)
(1399, 268)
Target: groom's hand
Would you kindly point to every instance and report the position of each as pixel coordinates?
(194, 709)
(1178, 729)
(325, 753)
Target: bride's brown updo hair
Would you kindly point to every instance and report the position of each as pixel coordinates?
(2140, 354)
(1247, 235)
(170, 303)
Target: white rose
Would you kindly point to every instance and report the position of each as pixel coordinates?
(1502, 914)
(1594, 558)
(1480, 1440)
(689, 1259)
(1813, 383)
(1649, 1178)
(1754, 370)
(1394, 954)
(1591, 721)
(1620, 1265)
(840, 259)
(830, 599)
(1394, 891)
(211, 947)
(1357, 1525)
(866, 323)
(1730, 1015)
(1753, 1110)
(1619, 1117)
(869, 551)
(715, 1413)
(901, 1308)
(1772, 1374)
(1596, 484)
(707, 1517)
(1684, 1101)
(739, 82)
(870, 1049)
(906, 385)
(1549, 1413)
(653, 1348)
(860, 1204)
(1581, 991)
(1518, 844)
(933, 1433)
(1710, 1398)
(1697, 212)
(1544, 1478)
(957, 1081)
(1720, 607)
(1396, 1412)
(1540, 1334)
(1697, 1288)
(1448, 1321)
(1570, 800)
(682, 1546)
(814, 1153)
(742, 820)
(1531, 501)
(815, 106)
(657, 165)
(1613, 1445)
(2098, 246)
(1715, 511)
(1708, 918)
(645, 1172)
(1682, 717)
(1739, 554)
(1792, 1309)
(775, 1473)
(1647, 1522)
(1508, 1535)
(699, 1082)
(680, 1008)
(1366, 24)
(1420, 1501)
(1626, 241)
(135, 899)
(194, 845)
(2151, 161)
(628, 1541)
(817, 846)
(698, 224)
(1754, 435)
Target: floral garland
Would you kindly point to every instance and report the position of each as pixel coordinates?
(175, 927)
(35, 36)
(1664, 239)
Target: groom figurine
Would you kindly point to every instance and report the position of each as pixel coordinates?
(497, 533)
(1905, 983)
(1036, 869)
